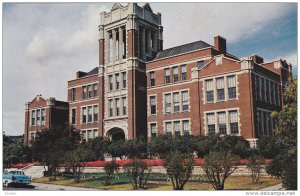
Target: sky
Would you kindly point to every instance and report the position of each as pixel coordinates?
(45, 44)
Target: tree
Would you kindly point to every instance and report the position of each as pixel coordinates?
(286, 133)
(179, 168)
(98, 147)
(218, 166)
(255, 165)
(135, 148)
(269, 146)
(138, 173)
(116, 148)
(110, 168)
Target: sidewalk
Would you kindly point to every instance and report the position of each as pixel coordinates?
(53, 187)
(277, 187)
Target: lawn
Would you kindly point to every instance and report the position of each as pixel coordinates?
(123, 183)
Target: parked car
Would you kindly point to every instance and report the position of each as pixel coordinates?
(15, 177)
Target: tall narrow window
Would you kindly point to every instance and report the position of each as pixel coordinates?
(89, 135)
(265, 123)
(83, 136)
(73, 94)
(167, 103)
(110, 80)
(152, 105)
(83, 92)
(209, 90)
(89, 91)
(211, 124)
(124, 103)
(152, 78)
(233, 120)
(271, 92)
(183, 72)
(153, 129)
(260, 122)
(186, 127)
(124, 79)
(90, 114)
(117, 107)
(176, 102)
(117, 82)
(270, 124)
(222, 123)
(257, 88)
(124, 43)
(167, 76)
(231, 87)
(262, 89)
(95, 113)
(111, 107)
(84, 115)
(267, 91)
(73, 117)
(168, 128)
(220, 89)
(200, 64)
(177, 128)
(38, 117)
(43, 115)
(95, 133)
(95, 90)
(276, 94)
(33, 117)
(175, 74)
(185, 101)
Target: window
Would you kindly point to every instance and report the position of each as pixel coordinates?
(38, 117)
(233, 120)
(211, 124)
(220, 89)
(175, 74)
(95, 113)
(276, 94)
(153, 129)
(259, 122)
(152, 78)
(267, 91)
(231, 87)
(73, 94)
(270, 124)
(200, 64)
(262, 89)
(84, 115)
(83, 136)
(124, 79)
(95, 90)
(117, 82)
(222, 123)
(176, 102)
(185, 101)
(111, 106)
(167, 103)
(83, 92)
(209, 90)
(117, 107)
(110, 80)
(167, 76)
(271, 92)
(43, 114)
(168, 127)
(257, 88)
(90, 114)
(152, 105)
(33, 117)
(124, 105)
(73, 117)
(186, 125)
(95, 133)
(183, 72)
(177, 128)
(89, 91)
(89, 135)
(265, 123)
(278, 100)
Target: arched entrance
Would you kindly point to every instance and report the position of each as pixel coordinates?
(116, 134)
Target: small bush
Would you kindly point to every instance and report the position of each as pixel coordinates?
(110, 168)
(255, 166)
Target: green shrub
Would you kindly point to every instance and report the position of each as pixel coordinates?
(110, 168)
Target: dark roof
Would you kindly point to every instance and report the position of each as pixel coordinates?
(92, 72)
(182, 49)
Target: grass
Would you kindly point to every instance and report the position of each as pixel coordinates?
(123, 183)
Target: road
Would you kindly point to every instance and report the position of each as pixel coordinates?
(45, 187)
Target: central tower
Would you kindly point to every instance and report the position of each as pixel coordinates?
(129, 36)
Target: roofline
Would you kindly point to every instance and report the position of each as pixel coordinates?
(154, 60)
(83, 77)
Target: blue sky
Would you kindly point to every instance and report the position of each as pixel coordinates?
(44, 45)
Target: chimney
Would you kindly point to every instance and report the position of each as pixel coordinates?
(80, 74)
(257, 59)
(220, 44)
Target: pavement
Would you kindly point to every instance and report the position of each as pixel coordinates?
(46, 187)
(277, 187)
